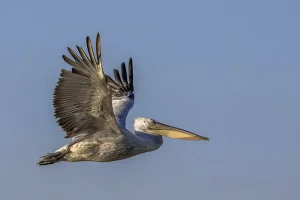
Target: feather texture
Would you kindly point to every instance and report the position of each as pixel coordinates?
(122, 92)
(82, 98)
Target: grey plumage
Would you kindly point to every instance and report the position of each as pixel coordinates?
(92, 108)
(83, 107)
(83, 101)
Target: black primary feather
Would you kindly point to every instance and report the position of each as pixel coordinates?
(122, 87)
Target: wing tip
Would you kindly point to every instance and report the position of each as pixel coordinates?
(130, 70)
(88, 39)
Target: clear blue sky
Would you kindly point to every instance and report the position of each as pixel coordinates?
(229, 70)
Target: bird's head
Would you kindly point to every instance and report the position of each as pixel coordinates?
(151, 126)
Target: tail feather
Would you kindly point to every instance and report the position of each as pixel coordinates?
(51, 158)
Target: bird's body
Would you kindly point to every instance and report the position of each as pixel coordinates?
(107, 149)
(92, 109)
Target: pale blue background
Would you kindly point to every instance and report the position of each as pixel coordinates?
(229, 70)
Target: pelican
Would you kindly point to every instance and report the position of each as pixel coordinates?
(91, 108)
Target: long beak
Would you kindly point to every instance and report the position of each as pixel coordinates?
(172, 132)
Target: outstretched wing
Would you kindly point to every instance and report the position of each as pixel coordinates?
(122, 92)
(82, 98)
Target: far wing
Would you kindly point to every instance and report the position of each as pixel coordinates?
(122, 92)
(82, 98)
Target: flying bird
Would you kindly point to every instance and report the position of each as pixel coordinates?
(92, 108)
